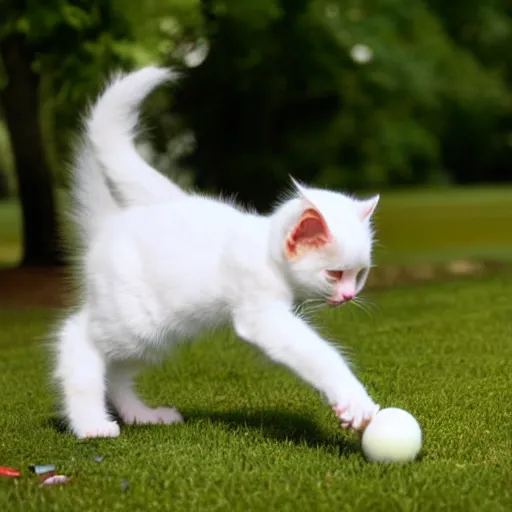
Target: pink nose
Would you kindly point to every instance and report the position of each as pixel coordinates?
(347, 296)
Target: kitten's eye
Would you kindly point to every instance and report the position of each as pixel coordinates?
(337, 275)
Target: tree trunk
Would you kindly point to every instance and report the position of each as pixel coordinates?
(20, 100)
(4, 185)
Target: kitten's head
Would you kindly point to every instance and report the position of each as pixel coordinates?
(328, 241)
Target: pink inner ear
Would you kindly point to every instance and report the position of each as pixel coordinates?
(311, 230)
(365, 212)
(368, 207)
(308, 228)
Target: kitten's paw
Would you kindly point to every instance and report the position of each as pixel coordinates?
(158, 415)
(356, 411)
(101, 429)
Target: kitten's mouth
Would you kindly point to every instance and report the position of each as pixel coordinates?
(333, 301)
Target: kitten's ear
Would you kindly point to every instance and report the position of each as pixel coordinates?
(367, 207)
(301, 189)
(310, 232)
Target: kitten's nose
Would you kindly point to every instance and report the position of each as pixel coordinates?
(347, 296)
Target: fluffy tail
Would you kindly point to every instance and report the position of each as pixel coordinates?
(107, 160)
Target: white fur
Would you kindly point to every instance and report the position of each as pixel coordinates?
(159, 265)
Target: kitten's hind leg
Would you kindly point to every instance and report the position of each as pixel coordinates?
(128, 404)
(80, 370)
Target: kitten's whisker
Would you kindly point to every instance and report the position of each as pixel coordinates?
(309, 306)
(368, 303)
(361, 306)
(351, 310)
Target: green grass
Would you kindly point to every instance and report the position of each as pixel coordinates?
(413, 226)
(256, 438)
(416, 226)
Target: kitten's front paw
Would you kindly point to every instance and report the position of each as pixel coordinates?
(356, 411)
(102, 429)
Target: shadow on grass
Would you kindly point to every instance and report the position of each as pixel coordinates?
(281, 426)
(57, 423)
(278, 425)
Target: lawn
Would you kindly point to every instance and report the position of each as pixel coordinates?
(438, 225)
(413, 226)
(258, 439)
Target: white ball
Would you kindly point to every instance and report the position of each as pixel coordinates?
(393, 435)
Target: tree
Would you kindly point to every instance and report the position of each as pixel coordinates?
(5, 162)
(359, 93)
(20, 102)
(4, 184)
(477, 144)
(68, 44)
(264, 100)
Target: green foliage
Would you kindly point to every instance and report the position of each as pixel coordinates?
(477, 142)
(283, 90)
(399, 102)
(71, 46)
(266, 93)
(75, 47)
(353, 93)
(161, 27)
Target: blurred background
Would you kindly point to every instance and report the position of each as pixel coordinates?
(410, 99)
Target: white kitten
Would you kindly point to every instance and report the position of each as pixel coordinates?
(159, 264)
